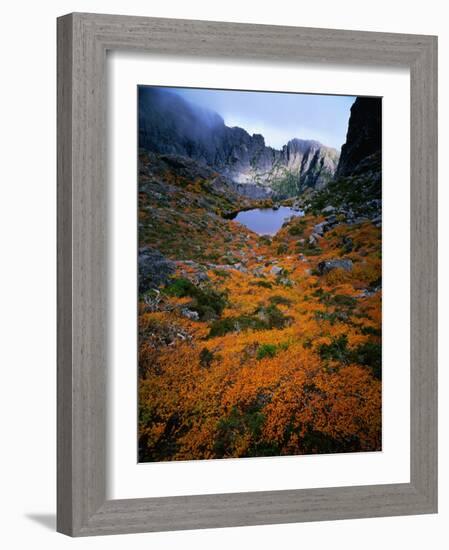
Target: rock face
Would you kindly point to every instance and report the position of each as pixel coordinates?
(362, 151)
(154, 269)
(253, 190)
(170, 125)
(329, 265)
(315, 162)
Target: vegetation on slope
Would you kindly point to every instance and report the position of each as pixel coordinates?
(250, 348)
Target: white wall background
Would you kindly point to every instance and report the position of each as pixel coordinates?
(27, 274)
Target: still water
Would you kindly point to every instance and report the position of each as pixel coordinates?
(266, 221)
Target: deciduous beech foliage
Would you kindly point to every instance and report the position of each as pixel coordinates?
(254, 345)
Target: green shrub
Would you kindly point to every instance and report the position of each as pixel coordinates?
(338, 300)
(344, 300)
(222, 273)
(220, 327)
(206, 301)
(266, 350)
(286, 186)
(270, 350)
(314, 251)
(213, 257)
(370, 355)
(337, 350)
(371, 331)
(277, 300)
(238, 423)
(282, 248)
(263, 284)
(206, 358)
(297, 228)
(263, 318)
(264, 240)
(307, 344)
(180, 288)
(275, 317)
(332, 316)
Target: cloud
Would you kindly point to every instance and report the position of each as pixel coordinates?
(279, 116)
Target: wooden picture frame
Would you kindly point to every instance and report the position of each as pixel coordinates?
(83, 40)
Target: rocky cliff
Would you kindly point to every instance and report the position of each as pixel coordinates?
(355, 192)
(362, 150)
(170, 125)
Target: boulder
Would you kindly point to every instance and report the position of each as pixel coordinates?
(328, 210)
(337, 263)
(313, 239)
(202, 277)
(240, 267)
(189, 314)
(154, 269)
(276, 270)
(361, 219)
(319, 228)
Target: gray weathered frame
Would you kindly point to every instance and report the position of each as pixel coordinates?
(83, 40)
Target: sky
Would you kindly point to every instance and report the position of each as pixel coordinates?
(279, 117)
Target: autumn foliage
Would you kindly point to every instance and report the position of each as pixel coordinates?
(273, 362)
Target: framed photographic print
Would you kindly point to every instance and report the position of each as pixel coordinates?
(246, 274)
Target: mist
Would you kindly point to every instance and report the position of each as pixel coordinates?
(279, 117)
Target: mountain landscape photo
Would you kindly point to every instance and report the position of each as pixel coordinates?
(260, 274)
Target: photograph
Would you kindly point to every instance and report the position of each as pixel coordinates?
(259, 274)
(227, 227)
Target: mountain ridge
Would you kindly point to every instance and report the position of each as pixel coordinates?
(168, 124)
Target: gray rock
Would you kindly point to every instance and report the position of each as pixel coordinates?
(202, 277)
(329, 265)
(221, 267)
(276, 270)
(328, 210)
(253, 191)
(361, 219)
(368, 292)
(320, 228)
(313, 239)
(189, 314)
(240, 267)
(154, 269)
(258, 272)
